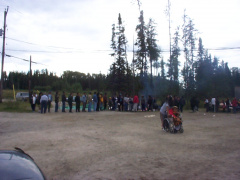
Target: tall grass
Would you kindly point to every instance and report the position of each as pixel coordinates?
(15, 106)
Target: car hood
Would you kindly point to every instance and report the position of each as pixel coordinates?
(16, 164)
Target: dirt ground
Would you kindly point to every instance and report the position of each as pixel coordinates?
(126, 145)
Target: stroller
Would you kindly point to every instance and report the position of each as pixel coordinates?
(173, 121)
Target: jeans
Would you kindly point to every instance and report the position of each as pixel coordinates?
(43, 106)
(89, 106)
(63, 106)
(94, 106)
(56, 107)
(84, 106)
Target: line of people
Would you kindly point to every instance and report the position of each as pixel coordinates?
(95, 102)
(225, 106)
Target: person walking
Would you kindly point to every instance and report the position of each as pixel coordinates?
(49, 101)
(63, 101)
(167, 105)
(56, 101)
(77, 100)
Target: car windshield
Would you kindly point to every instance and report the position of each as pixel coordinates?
(24, 94)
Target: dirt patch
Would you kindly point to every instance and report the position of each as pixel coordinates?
(124, 145)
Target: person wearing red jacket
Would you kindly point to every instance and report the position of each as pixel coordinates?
(135, 103)
(234, 105)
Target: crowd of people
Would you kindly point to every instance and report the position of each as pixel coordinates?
(227, 105)
(99, 102)
(92, 102)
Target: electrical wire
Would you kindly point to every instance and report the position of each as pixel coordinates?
(7, 55)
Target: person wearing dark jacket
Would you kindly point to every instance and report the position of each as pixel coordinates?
(56, 101)
(63, 101)
(77, 100)
(70, 101)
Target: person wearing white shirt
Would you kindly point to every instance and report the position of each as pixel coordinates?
(213, 102)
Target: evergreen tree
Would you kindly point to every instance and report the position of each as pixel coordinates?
(152, 48)
(189, 38)
(141, 61)
(118, 69)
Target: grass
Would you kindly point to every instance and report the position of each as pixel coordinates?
(15, 106)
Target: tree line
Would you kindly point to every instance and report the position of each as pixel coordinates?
(202, 75)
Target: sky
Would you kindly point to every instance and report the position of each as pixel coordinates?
(75, 35)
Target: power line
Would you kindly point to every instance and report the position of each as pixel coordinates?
(98, 50)
(24, 59)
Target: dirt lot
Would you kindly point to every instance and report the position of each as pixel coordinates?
(126, 146)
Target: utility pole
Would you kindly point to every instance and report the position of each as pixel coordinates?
(3, 52)
(30, 79)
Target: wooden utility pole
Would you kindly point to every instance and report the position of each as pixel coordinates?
(3, 53)
(30, 79)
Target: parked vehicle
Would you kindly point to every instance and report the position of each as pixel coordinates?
(16, 164)
(22, 96)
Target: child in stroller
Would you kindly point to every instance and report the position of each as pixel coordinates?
(173, 122)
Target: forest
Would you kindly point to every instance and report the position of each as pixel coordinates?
(202, 74)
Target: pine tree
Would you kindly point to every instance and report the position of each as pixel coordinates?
(118, 69)
(141, 61)
(153, 50)
(189, 38)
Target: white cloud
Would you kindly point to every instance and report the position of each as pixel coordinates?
(83, 29)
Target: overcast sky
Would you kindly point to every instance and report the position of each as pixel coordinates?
(76, 35)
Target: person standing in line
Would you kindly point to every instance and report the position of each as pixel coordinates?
(84, 101)
(182, 104)
(234, 105)
(213, 102)
(206, 104)
(126, 100)
(135, 103)
(49, 101)
(77, 100)
(70, 101)
(33, 102)
(44, 101)
(217, 105)
(105, 101)
(228, 105)
(95, 101)
(101, 102)
(150, 103)
(120, 102)
(98, 102)
(63, 101)
(143, 103)
(38, 101)
(56, 101)
(89, 99)
(130, 103)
